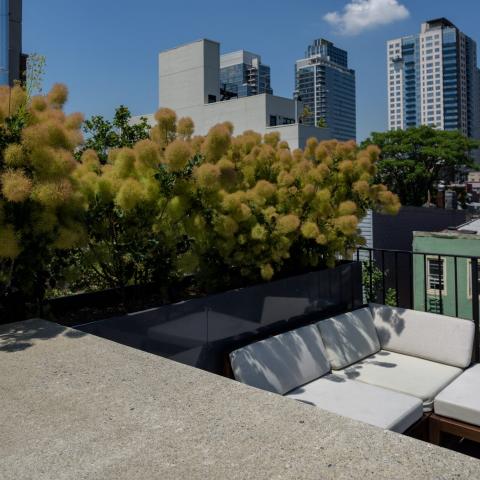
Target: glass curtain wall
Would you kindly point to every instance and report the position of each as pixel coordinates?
(4, 41)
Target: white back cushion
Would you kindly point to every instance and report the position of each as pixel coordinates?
(282, 363)
(434, 337)
(349, 338)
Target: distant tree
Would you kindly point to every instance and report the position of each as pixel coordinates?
(34, 74)
(372, 280)
(413, 161)
(306, 113)
(322, 123)
(103, 135)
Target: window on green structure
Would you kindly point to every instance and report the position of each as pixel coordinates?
(436, 276)
(434, 305)
(469, 278)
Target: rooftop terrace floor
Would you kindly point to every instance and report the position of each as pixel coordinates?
(74, 406)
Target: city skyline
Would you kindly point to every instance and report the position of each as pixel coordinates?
(123, 58)
(191, 84)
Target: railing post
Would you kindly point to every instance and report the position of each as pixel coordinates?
(412, 294)
(425, 283)
(352, 285)
(370, 276)
(383, 277)
(396, 280)
(442, 279)
(475, 310)
(456, 285)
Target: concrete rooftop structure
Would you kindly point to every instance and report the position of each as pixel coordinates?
(472, 226)
(74, 406)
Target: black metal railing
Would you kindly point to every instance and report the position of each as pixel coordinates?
(423, 281)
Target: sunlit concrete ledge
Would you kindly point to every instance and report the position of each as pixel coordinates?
(74, 406)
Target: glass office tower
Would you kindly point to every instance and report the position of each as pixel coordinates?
(242, 74)
(433, 79)
(12, 62)
(4, 41)
(326, 86)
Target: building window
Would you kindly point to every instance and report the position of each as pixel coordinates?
(436, 276)
(469, 277)
(273, 120)
(212, 98)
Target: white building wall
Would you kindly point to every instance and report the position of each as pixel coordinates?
(395, 75)
(251, 113)
(431, 78)
(297, 134)
(188, 74)
(246, 113)
(366, 230)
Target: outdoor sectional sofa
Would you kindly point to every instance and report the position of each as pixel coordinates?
(381, 365)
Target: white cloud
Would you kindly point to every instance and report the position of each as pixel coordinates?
(360, 15)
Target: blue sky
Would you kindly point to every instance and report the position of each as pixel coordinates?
(106, 51)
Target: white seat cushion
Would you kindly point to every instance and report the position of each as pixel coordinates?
(349, 338)
(282, 363)
(411, 375)
(360, 401)
(461, 399)
(426, 335)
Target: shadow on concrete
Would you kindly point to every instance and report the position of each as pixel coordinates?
(15, 337)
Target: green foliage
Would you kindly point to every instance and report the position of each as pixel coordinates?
(306, 113)
(414, 161)
(103, 135)
(322, 123)
(117, 175)
(372, 280)
(34, 74)
(130, 193)
(225, 209)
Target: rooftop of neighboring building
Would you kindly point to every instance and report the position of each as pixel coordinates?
(434, 24)
(323, 48)
(474, 176)
(438, 23)
(471, 226)
(238, 57)
(187, 44)
(468, 230)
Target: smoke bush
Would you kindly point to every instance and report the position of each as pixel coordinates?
(41, 208)
(228, 209)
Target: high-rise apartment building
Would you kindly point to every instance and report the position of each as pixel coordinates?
(12, 62)
(433, 79)
(326, 86)
(242, 74)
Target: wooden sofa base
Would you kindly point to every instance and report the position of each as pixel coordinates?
(420, 429)
(438, 425)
